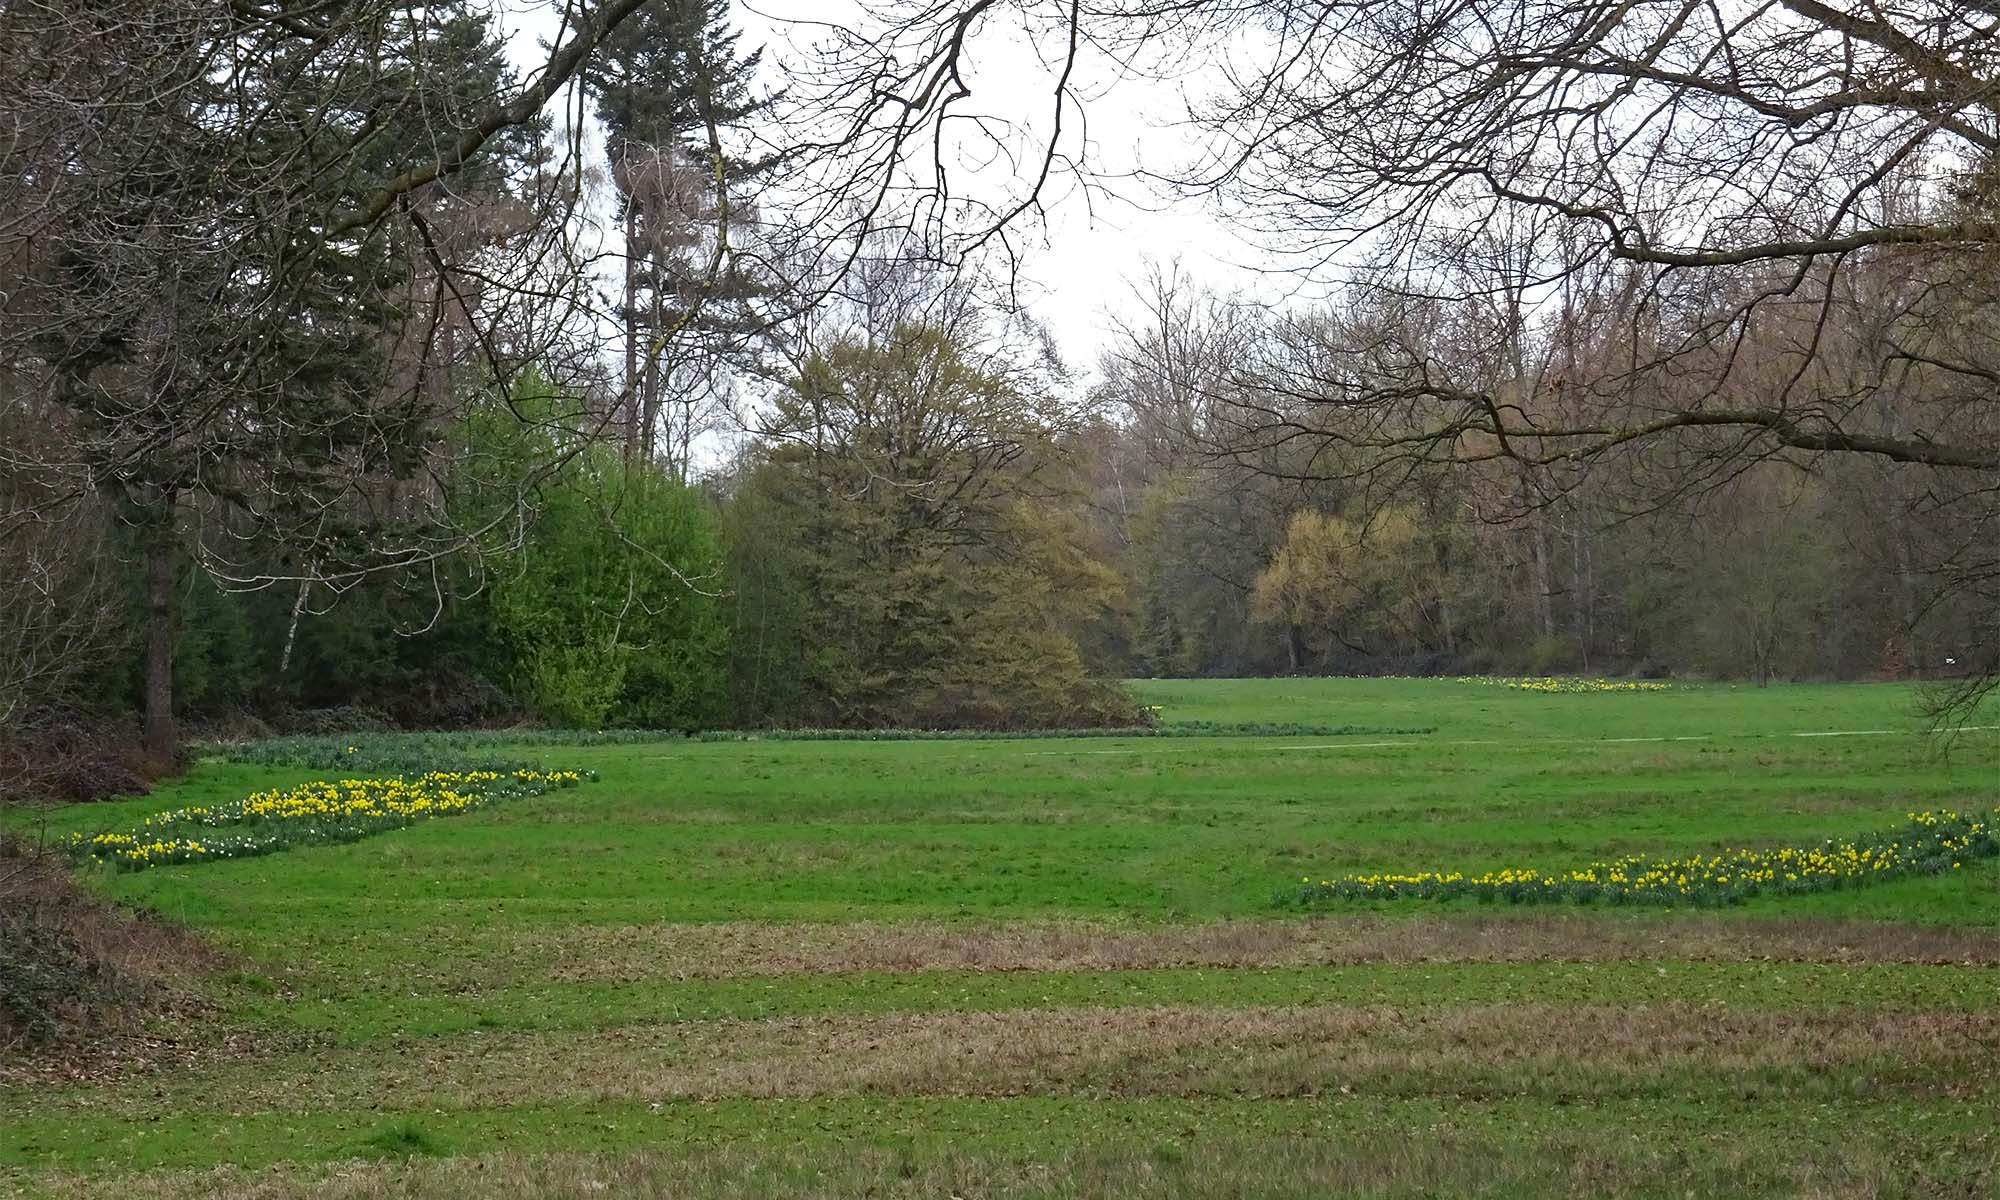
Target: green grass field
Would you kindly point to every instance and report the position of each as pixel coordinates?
(1057, 967)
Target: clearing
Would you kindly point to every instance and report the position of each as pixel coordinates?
(1054, 967)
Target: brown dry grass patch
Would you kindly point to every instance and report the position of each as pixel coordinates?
(1490, 1052)
(78, 974)
(1271, 1052)
(638, 952)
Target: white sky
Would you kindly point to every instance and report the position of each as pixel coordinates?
(1078, 270)
(1079, 266)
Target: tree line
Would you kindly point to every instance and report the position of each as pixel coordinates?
(339, 382)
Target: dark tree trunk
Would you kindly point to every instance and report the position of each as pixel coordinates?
(1446, 624)
(161, 737)
(632, 400)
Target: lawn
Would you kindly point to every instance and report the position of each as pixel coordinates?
(1059, 966)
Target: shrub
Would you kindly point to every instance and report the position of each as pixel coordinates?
(71, 757)
(341, 718)
(609, 615)
(46, 979)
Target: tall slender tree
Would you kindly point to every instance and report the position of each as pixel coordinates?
(670, 84)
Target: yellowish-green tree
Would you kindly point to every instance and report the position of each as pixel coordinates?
(1334, 583)
(1309, 587)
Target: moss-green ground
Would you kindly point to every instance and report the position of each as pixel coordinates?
(1057, 965)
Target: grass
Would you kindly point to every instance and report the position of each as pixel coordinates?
(1054, 967)
(1060, 1147)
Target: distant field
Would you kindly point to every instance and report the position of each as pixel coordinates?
(1055, 967)
(1490, 708)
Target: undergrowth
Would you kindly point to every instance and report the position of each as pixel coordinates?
(71, 961)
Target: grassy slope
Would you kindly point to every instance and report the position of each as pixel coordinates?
(549, 928)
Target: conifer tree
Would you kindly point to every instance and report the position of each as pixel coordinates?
(670, 82)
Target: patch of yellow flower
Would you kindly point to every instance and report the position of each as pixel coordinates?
(312, 813)
(1562, 684)
(1931, 843)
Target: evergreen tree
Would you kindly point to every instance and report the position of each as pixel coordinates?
(216, 342)
(669, 81)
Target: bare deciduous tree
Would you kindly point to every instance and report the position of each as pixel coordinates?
(1679, 235)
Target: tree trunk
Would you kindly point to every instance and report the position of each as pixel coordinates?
(631, 413)
(1545, 616)
(650, 406)
(292, 628)
(1446, 624)
(1538, 558)
(1907, 589)
(1583, 585)
(160, 734)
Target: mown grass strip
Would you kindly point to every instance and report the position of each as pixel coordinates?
(1561, 1054)
(359, 1016)
(1165, 1166)
(722, 949)
(1946, 1134)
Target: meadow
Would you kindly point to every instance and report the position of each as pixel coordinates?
(1079, 966)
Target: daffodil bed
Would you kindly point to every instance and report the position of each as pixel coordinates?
(1566, 684)
(316, 813)
(1931, 843)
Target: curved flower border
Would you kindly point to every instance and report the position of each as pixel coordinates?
(318, 813)
(1931, 843)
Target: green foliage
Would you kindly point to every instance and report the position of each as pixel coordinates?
(668, 70)
(215, 655)
(906, 555)
(768, 567)
(1360, 586)
(348, 652)
(607, 612)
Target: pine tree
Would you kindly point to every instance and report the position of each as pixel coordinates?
(668, 83)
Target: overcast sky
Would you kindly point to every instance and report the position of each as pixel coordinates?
(1078, 269)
